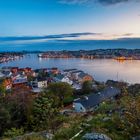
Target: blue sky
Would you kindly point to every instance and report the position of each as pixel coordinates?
(112, 19)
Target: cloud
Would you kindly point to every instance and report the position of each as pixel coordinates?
(73, 1)
(72, 35)
(135, 39)
(47, 37)
(103, 2)
(65, 37)
(73, 38)
(128, 34)
(110, 2)
(69, 36)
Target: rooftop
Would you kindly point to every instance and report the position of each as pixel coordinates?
(96, 98)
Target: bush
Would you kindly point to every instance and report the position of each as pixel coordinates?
(33, 137)
(13, 132)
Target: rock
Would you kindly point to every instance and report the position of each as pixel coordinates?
(95, 136)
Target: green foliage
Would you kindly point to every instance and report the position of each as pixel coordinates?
(87, 87)
(43, 74)
(134, 89)
(33, 137)
(5, 119)
(61, 92)
(66, 133)
(119, 119)
(15, 111)
(106, 107)
(111, 125)
(2, 88)
(44, 112)
(13, 132)
(68, 100)
(30, 78)
(132, 114)
(20, 107)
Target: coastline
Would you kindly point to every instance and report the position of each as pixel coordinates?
(101, 69)
(117, 54)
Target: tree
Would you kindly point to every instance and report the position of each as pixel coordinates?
(2, 88)
(20, 108)
(44, 112)
(87, 87)
(5, 119)
(62, 91)
(134, 89)
(132, 115)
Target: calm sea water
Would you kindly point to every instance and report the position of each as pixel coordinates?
(101, 70)
(68, 45)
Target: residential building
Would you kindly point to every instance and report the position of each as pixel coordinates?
(14, 69)
(75, 74)
(92, 101)
(7, 83)
(55, 71)
(7, 73)
(2, 75)
(39, 83)
(19, 79)
(62, 78)
(76, 86)
(82, 77)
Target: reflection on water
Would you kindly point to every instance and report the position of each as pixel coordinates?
(101, 70)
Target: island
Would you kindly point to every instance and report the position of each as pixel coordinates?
(117, 54)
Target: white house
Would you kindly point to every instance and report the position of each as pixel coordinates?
(1, 75)
(91, 102)
(75, 74)
(76, 86)
(39, 83)
(42, 84)
(78, 106)
(7, 73)
(62, 78)
(20, 79)
(68, 72)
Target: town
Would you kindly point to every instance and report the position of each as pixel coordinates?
(69, 102)
(5, 57)
(69, 69)
(117, 54)
(38, 79)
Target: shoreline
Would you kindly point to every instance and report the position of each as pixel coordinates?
(37, 51)
(99, 68)
(117, 54)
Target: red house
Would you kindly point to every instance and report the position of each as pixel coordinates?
(7, 83)
(55, 70)
(14, 69)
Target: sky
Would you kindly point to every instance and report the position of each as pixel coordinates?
(69, 19)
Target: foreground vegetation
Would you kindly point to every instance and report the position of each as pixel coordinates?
(23, 114)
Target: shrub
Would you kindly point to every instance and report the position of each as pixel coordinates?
(33, 137)
(13, 132)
